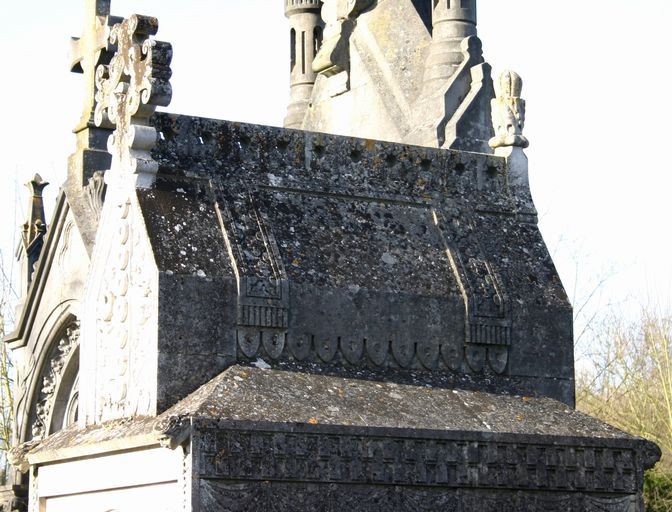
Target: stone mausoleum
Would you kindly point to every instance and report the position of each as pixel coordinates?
(355, 312)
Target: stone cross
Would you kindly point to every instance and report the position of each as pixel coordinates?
(87, 52)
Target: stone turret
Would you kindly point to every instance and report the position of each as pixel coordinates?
(452, 21)
(305, 39)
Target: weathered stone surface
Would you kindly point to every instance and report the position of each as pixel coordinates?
(286, 438)
(221, 496)
(257, 434)
(290, 398)
(355, 255)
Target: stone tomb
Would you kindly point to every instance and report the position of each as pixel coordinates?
(275, 319)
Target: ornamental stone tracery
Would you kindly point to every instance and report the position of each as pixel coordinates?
(53, 378)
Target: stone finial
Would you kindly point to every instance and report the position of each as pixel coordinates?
(33, 230)
(508, 113)
(36, 221)
(129, 89)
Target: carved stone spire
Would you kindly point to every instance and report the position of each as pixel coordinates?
(305, 39)
(33, 230)
(452, 21)
(87, 52)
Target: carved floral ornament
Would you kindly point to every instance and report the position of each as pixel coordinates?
(52, 379)
(129, 89)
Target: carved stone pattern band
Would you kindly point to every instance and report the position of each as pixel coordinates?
(281, 497)
(381, 351)
(238, 455)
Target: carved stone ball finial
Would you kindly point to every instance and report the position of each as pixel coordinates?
(129, 89)
(508, 113)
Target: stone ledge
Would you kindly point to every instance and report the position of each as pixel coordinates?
(251, 424)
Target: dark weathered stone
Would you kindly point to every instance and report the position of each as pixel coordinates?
(294, 441)
(359, 255)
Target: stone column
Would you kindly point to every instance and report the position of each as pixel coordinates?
(452, 21)
(305, 38)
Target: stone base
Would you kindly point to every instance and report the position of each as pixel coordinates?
(254, 439)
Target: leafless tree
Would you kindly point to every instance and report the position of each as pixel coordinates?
(630, 387)
(7, 298)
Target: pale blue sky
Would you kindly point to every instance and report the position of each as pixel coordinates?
(597, 85)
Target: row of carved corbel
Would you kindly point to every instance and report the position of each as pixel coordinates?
(278, 344)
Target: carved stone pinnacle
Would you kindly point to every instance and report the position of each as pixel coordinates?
(129, 89)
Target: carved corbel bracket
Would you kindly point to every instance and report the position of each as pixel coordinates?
(128, 90)
(340, 17)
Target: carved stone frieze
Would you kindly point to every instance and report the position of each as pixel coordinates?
(351, 459)
(127, 92)
(281, 496)
(126, 307)
(380, 352)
